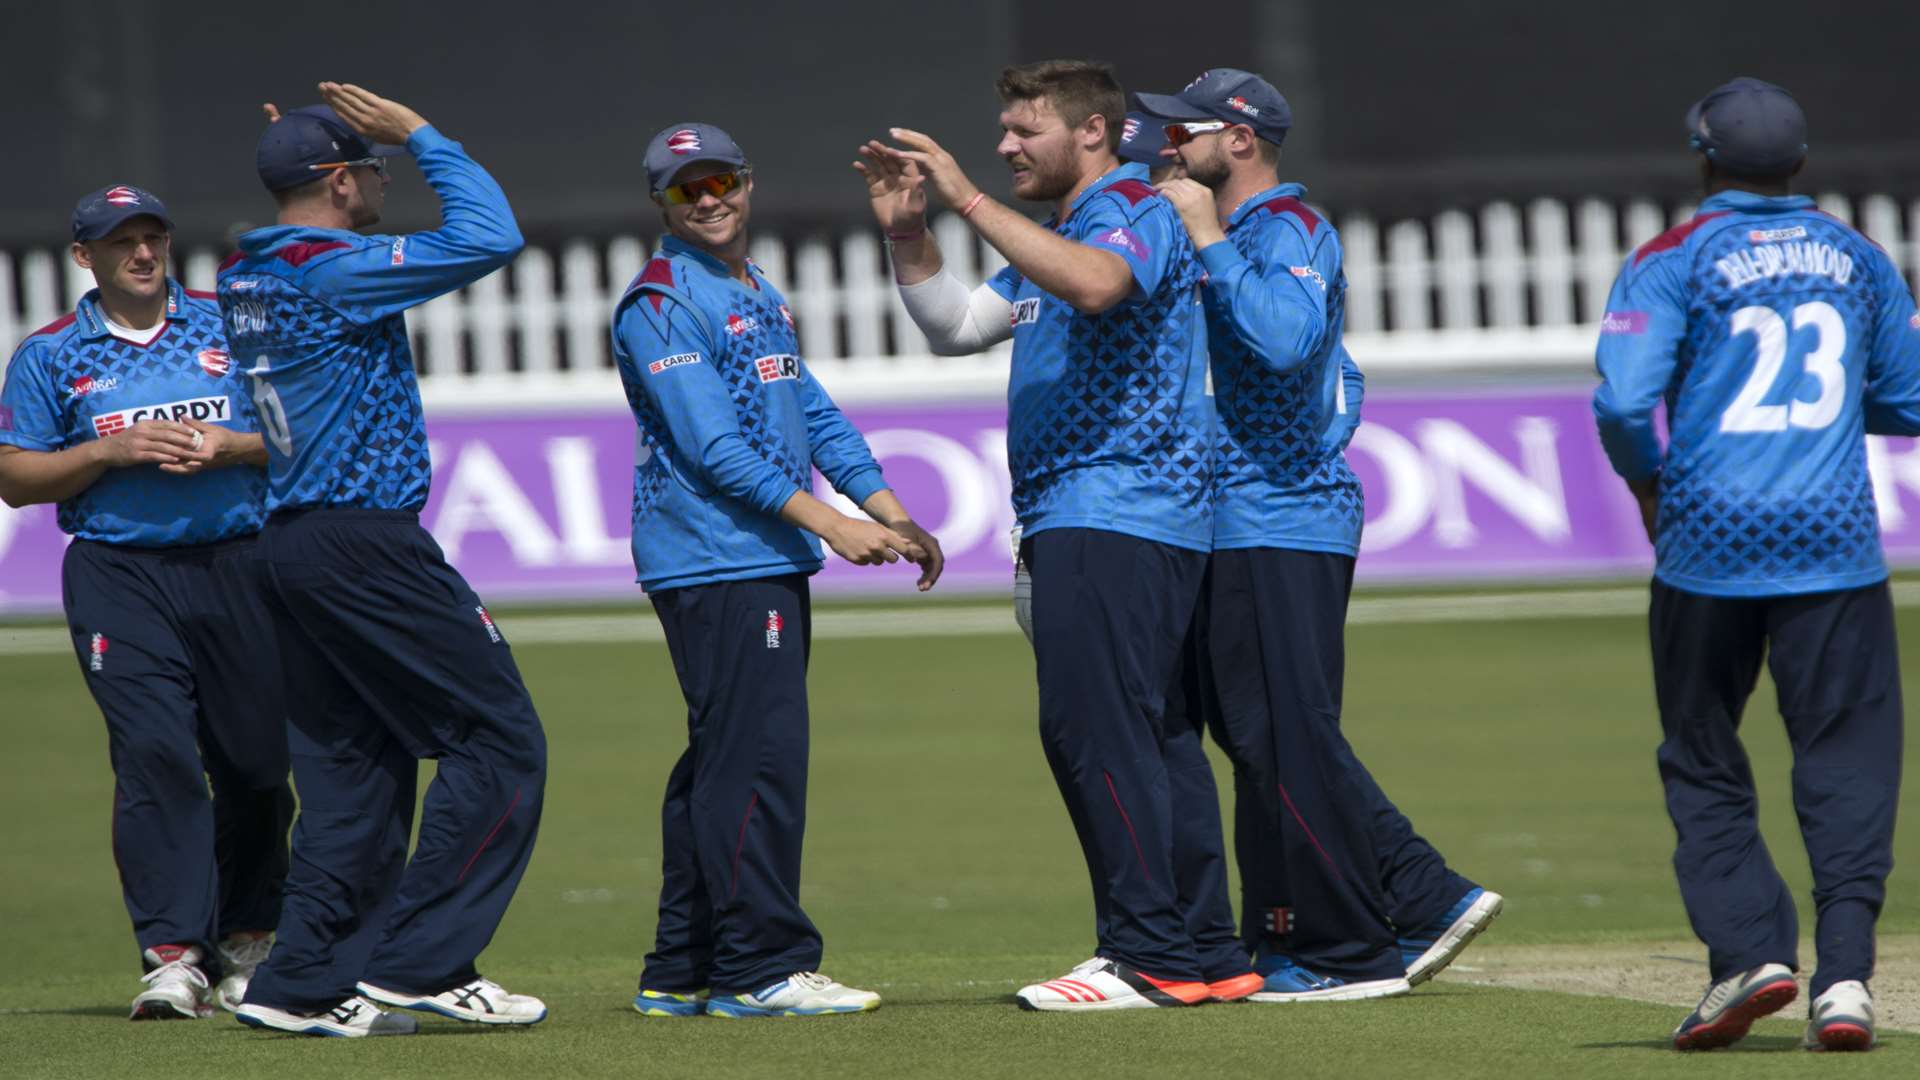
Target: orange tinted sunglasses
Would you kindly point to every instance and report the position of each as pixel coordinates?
(719, 185)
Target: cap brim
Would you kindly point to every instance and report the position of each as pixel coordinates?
(1169, 107)
(383, 150)
(118, 220)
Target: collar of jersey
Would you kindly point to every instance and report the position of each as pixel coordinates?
(1256, 201)
(273, 237)
(674, 246)
(1126, 170)
(94, 325)
(1747, 202)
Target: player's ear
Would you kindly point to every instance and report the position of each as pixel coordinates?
(1093, 133)
(82, 258)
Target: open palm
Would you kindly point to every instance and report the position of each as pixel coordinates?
(895, 187)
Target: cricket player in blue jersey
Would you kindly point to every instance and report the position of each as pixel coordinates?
(1776, 337)
(129, 415)
(1341, 899)
(1109, 443)
(389, 655)
(725, 534)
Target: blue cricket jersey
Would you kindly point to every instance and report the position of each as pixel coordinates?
(73, 381)
(1776, 336)
(1108, 422)
(731, 425)
(315, 317)
(1275, 299)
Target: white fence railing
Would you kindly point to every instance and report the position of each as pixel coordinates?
(1506, 286)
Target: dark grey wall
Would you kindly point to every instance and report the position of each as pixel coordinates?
(1402, 107)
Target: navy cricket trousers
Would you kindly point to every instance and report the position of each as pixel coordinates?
(735, 810)
(177, 649)
(1110, 612)
(1836, 665)
(391, 658)
(1276, 622)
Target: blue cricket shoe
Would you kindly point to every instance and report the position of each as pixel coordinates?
(1429, 949)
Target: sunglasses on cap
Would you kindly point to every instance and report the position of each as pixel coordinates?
(719, 185)
(1184, 133)
(377, 164)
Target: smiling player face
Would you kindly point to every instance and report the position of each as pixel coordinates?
(709, 221)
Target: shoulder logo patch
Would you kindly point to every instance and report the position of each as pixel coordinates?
(1623, 322)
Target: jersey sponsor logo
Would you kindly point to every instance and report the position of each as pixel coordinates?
(399, 257)
(1025, 311)
(1310, 274)
(173, 303)
(211, 410)
(486, 620)
(774, 625)
(214, 362)
(97, 652)
(1123, 237)
(1774, 236)
(1239, 104)
(787, 315)
(778, 366)
(1623, 322)
(1808, 257)
(737, 325)
(87, 384)
(243, 284)
(673, 361)
(123, 196)
(684, 141)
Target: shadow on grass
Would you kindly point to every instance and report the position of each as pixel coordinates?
(1759, 1043)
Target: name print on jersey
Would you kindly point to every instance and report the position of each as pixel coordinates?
(1743, 268)
(210, 410)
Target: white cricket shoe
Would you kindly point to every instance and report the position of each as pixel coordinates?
(1101, 984)
(481, 1001)
(353, 1018)
(1732, 1005)
(176, 987)
(803, 993)
(1841, 1018)
(240, 954)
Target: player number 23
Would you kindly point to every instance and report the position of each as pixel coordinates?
(1746, 414)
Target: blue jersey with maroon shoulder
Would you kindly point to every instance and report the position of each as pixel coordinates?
(731, 424)
(1776, 336)
(315, 317)
(1276, 299)
(1108, 422)
(74, 381)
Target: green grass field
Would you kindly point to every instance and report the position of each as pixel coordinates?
(943, 872)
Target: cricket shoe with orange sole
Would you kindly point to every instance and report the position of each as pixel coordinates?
(1100, 984)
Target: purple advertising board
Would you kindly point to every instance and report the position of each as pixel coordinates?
(1481, 485)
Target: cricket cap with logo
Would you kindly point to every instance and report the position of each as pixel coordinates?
(680, 145)
(305, 137)
(1749, 126)
(1238, 97)
(1141, 139)
(100, 212)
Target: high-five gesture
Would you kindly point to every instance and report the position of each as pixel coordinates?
(935, 165)
(896, 189)
(370, 115)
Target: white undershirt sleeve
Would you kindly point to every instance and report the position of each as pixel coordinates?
(955, 321)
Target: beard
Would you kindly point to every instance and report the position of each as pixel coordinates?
(1048, 178)
(1211, 171)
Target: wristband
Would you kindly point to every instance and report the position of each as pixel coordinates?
(895, 238)
(967, 210)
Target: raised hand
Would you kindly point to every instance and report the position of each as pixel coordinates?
(370, 115)
(272, 111)
(941, 172)
(896, 189)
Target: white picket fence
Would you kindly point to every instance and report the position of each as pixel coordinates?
(1506, 287)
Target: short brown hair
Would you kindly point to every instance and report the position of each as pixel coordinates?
(1077, 90)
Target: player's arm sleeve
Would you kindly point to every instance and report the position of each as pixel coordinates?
(30, 411)
(1893, 367)
(667, 355)
(477, 235)
(1277, 306)
(955, 320)
(839, 451)
(1640, 339)
(1146, 243)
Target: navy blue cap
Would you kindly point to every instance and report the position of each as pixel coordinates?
(100, 212)
(1141, 139)
(1749, 126)
(1238, 97)
(314, 135)
(680, 145)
